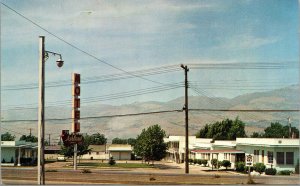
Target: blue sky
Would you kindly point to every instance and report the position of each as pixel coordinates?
(134, 35)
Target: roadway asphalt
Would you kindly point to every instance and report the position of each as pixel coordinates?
(15, 175)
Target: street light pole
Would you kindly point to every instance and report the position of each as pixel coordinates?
(43, 56)
(41, 112)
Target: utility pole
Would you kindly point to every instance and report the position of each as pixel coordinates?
(186, 108)
(290, 128)
(41, 112)
(41, 109)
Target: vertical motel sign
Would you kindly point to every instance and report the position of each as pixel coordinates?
(76, 103)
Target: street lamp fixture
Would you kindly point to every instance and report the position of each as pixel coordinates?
(43, 56)
(59, 61)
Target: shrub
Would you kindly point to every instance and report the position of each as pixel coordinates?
(86, 171)
(191, 160)
(3, 161)
(204, 162)
(226, 163)
(259, 167)
(285, 172)
(247, 169)
(51, 170)
(195, 161)
(270, 171)
(219, 164)
(111, 161)
(12, 160)
(240, 166)
(214, 163)
(199, 162)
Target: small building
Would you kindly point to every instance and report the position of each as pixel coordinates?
(176, 147)
(120, 151)
(279, 153)
(98, 152)
(18, 153)
(220, 150)
(52, 152)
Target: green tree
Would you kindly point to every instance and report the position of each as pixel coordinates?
(28, 138)
(7, 137)
(130, 141)
(82, 148)
(95, 139)
(257, 135)
(226, 164)
(150, 144)
(277, 130)
(119, 141)
(224, 130)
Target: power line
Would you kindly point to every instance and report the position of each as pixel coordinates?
(97, 117)
(11, 131)
(107, 97)
(160, 112)
(96, 79)
(247, 110)
(77, 48)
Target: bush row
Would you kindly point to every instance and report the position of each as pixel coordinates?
(260, 167)
(199, 161)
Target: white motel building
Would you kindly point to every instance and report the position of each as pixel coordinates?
(279, 153)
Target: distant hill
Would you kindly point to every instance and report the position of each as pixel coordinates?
(172, 123)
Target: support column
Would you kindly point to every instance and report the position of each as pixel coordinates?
(19, 157)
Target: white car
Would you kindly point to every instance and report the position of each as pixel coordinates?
(61, 158)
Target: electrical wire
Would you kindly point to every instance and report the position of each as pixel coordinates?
(107, 97)
(96, 79)
(96, 117)
(79, 49)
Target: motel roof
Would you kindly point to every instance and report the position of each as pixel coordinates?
(119, 147)
(218, 151)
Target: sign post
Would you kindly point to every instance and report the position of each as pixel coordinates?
(75, 111)
(249, 163)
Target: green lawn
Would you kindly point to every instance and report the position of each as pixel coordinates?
(119, 165)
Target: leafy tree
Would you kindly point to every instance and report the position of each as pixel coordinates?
(277, 130)
(119, 141)
(224, 130)
(257, 135)
(259, 167)
(130, 141)
(226, 163)
(29, 138)
(82, 148)
(7, 137)
(150, 144)
(95, 139)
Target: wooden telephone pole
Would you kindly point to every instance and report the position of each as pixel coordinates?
(186, 108)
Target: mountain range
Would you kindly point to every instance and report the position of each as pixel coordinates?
(173, 123)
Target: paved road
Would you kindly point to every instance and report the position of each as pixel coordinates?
(27, 176)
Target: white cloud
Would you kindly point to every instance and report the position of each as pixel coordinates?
(246, 41)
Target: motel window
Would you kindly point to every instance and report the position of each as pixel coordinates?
(256, 156)
(280, 158)
(97, 153)
(289, 158)
(270, 157)
(226, 156)
(89, 153)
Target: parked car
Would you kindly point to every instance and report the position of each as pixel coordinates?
(61, 158)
